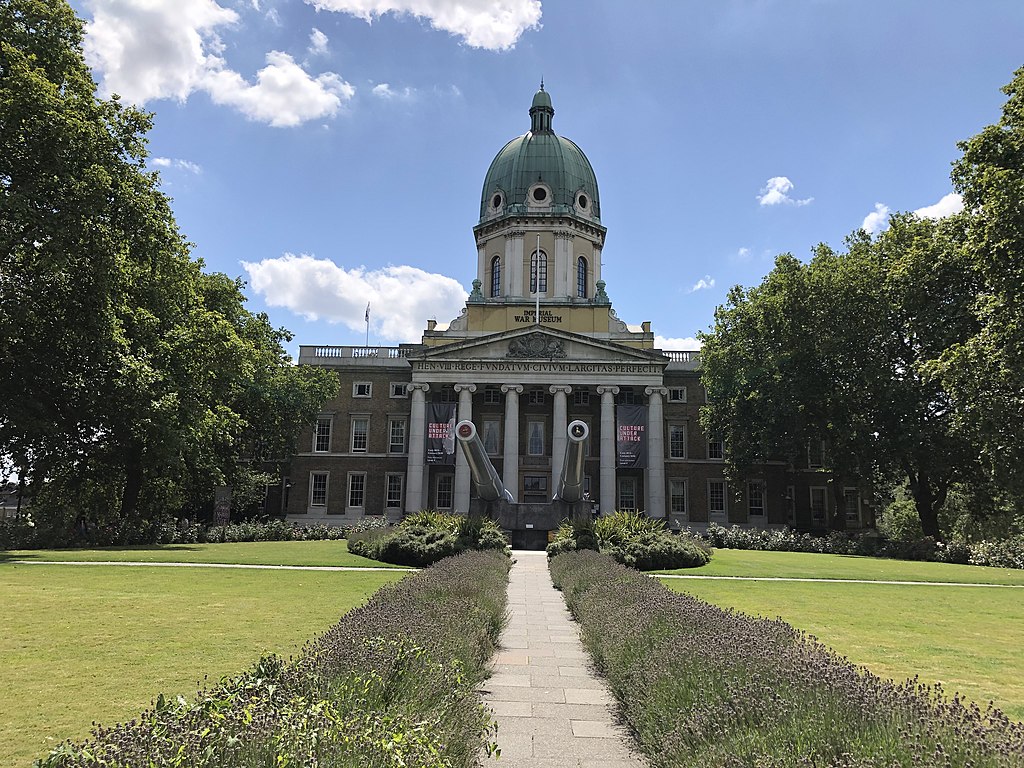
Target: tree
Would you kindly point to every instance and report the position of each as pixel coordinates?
(136, 381)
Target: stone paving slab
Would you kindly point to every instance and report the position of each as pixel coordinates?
(551, 708)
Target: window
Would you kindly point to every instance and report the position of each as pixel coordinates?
(677, 394)
(539, 272)
(356, 489)
(399, 389)
(627, 494)
(491, 436)
(818, 508)
(361, 389)
(581, 277)
(496, 276)
(537, 396)
(716, 449)
(581, 397)
(790, 504)
(393, 490)
(448, 395)
(445, 491)
(755, 498)
(816, 454)
(396, 436)
(716, 499)
(318, 489)
(322, 435)
(535, 484)
(492, 396)
(677, 497)
(627, 397)
(677, 441)
(535, 440)
(360, 433)
(851, 500)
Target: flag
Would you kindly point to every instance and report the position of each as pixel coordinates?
(367, 311)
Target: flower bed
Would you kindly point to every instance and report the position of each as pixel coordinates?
(701, 686)
(392, 684)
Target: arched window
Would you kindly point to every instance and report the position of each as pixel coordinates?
(496, 276)
(539, 272)
(581, 277)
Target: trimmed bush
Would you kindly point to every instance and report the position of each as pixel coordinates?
(701, 686)
(633, 539)
(426, 537)
(392, 684)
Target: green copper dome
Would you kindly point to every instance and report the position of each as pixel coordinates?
(540, 172)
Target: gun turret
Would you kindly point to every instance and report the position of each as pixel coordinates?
(570, 483)
(485, 478)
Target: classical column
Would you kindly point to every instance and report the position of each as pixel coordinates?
(607, 448)
(461, 465)
(654, 491)
(415, 473)
(565, 283)
(514, 265)
(558, 431)
(510, 452)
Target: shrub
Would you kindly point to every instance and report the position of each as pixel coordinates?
(392, 684)
(632, 539)
(704, 686)
(427, 536)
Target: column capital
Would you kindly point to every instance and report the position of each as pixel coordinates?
(604, 389)
(418, 385)
(656, 391)
(465, 387)
(517, 388)
(554, 389)
(515, 234)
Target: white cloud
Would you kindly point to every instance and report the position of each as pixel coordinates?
(185, 165)
(947, 206)
(743, 253)
(776, 192)
(273, 17)
(284, 94)
(877, 220)
(159, 49)
(385, 91)
(317, 42)
(676, 345)
(492, 24)
(401, 297)
(703, 284)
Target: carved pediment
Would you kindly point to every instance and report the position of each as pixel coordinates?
(538, 345)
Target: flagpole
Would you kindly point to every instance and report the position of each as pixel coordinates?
(367, 325)
(537, 279)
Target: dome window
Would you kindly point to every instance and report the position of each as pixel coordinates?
(539, 195)
(582, 202)
(497, 200)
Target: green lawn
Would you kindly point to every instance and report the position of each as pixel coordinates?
(246, 553)
(80, 644)
(967, 638)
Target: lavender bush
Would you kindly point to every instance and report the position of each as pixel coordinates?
(701, 686)
(392, 684)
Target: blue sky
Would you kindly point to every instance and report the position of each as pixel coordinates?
(332, 152)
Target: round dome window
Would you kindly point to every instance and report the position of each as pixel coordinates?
(540, 194)
(496, 201)
(582, 201)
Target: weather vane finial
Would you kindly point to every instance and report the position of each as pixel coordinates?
(542, 82)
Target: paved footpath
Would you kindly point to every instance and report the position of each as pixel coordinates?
(552, 710)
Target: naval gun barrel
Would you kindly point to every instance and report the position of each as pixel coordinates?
(570, 482)
(485, 478)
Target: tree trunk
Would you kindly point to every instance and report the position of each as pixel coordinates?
(927, 503)
(132, 487)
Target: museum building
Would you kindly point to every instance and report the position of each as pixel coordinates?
(538, 346)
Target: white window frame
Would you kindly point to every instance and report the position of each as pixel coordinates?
(399, 389)
(823, 520)
(317, 433)
(388, 501)
(449, 480)
(581, 396)
(816, 460)
(716, 515)
(537, 396)
(312, 485)
(857, 520)
(392, 422)
(760, 485)
(673, 484)
(670, 445)
(352, 434)
(362, 389)
(492, 395)
(621, 484)
(352, 477)
(721, 450)
(677, 394)
(529, 437)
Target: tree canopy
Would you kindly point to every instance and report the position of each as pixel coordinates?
(133, 382)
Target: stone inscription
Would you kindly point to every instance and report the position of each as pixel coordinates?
(530, 316)
(512, 366)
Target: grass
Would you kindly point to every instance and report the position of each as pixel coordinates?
(242, 553)
(83, 644)
(967, 638)
(805, 565)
